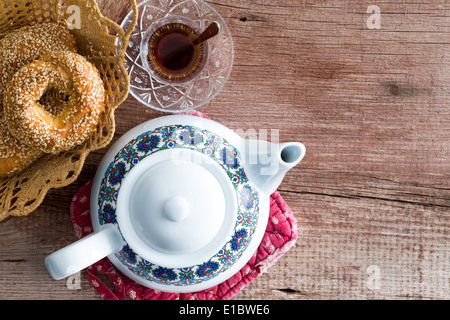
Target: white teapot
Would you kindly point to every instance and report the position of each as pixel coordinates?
(179, 204)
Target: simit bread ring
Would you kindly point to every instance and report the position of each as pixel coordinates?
(27, 44)
(69, 73)
(17, 49)
(14, 156)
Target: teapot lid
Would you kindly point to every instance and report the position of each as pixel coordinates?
(177, 190)
(181, 208)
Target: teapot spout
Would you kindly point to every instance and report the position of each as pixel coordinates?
(272, 163)
(291, 153)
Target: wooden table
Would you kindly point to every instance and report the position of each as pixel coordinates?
(372, 195)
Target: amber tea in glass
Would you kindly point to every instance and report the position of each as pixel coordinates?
(171, 54)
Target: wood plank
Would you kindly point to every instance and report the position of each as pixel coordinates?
(371, 106)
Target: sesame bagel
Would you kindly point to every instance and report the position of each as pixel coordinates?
(18, 48)
(29, 121)
(29, 43)
(14, 155)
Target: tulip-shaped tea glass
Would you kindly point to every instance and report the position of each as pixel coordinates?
(204, 70)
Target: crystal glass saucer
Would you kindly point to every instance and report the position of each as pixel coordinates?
(178, 97)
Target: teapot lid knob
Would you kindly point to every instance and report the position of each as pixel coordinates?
(176, 209)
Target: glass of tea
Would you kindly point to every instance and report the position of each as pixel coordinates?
(168, 52)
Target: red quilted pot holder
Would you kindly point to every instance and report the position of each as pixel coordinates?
(281, 234)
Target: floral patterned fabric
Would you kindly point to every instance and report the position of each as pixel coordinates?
(281, 234)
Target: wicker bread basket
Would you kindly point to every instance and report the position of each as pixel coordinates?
(103, 43)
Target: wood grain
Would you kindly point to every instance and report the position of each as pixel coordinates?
(371, 106)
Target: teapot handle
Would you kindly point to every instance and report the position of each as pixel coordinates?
(84, 252)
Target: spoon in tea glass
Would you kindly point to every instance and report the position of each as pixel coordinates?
(177, 50)
(211, 31)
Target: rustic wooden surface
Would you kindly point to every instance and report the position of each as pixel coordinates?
(372, 108)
